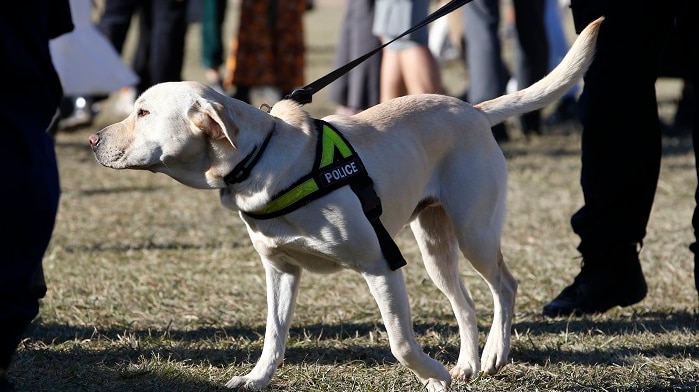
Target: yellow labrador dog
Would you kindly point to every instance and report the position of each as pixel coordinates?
(434, 164)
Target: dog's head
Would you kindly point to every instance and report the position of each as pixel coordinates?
(183, 129)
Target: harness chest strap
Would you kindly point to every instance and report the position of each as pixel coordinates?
(336, 165)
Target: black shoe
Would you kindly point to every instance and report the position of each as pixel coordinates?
(598, 288)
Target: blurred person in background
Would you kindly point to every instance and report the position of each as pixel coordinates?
(359, 88)
(488, 74)
(567, 108)
(268, 50)
(89, 69)
(212, 21)
(160, 45)
(407, 65)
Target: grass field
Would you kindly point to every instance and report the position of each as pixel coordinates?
(155, 287)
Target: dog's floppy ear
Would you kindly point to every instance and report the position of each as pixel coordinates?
(213, 119)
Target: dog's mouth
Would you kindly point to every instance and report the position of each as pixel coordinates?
(114, 158)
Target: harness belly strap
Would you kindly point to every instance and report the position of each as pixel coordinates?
(336, 165)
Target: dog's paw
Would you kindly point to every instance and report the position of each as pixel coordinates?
(464, 372)
(246, 383)
(436, 385)
(494, 357)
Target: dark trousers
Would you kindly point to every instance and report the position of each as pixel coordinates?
(689, 29)
(161, 39)
(531, 52)
(488, 75)
(213, 17)
(621, 139)
(29, 194)
(29, 190)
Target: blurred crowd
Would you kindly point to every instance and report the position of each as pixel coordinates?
(266, 51)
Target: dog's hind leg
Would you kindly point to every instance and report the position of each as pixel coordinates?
(388, 289)
(440, 253)
(481, 246)
(473, 192)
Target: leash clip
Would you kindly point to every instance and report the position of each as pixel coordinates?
(302, 95)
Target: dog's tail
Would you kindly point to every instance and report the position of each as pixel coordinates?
(549, 89)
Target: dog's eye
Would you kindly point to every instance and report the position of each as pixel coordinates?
(142, 112)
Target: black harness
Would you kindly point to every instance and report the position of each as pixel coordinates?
(336, 165)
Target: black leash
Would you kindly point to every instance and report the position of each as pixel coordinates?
(304, 95)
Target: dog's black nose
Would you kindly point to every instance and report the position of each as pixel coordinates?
(94, 140)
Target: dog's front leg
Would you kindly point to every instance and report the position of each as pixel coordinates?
(390, 294)
(282, 289)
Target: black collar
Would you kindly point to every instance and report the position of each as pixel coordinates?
(242, 170)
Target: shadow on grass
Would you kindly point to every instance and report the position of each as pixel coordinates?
(74, 358)
(650, 322)
(654, 323)
(327, 344)
(86, 370)
(149, 246)
(321, 344)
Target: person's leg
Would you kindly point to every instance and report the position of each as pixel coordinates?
(483, 50)
(391, 18)
(694, 247)
(167, 40)
(531, 54)
(213, 17)
(115, 21)
(621, 147)
(289, 54)
(420, 71)
(486, 69)
(30, 189)
(141, 61)
(248, 48)
(692, 81)
(392, 84)
(567, 108)
(557, 39)
(338, 91)
(408, 66)
(28, 205)
(358, 89)
(621, 140)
